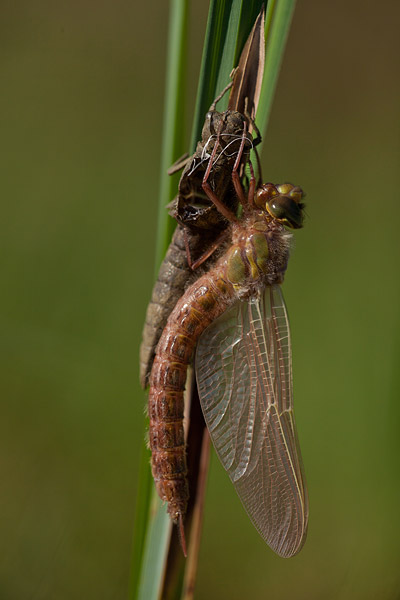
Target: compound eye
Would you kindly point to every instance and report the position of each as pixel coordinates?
(287, 211)
(292, 191)
(265, 194)
(276, 209)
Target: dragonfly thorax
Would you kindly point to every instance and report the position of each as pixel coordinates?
(258, 256)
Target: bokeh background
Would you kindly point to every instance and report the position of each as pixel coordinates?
(81, 114)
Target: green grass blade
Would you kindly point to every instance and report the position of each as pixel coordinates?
(173, 133)
(277, 23)
(152, 527)
(143, 499)
(155, 552)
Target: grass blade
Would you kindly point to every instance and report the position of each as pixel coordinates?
(153, 527)
(229, 24)
(277, 24)
(143, 499)
(173, 133)
(155, 552)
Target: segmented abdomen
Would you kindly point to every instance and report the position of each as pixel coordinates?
(203, 302)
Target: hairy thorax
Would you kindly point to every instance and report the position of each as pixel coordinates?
(258, 255)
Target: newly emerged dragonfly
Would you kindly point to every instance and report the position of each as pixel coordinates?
(236, 316)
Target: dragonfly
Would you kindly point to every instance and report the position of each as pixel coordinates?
(234, 320)
(225, 145)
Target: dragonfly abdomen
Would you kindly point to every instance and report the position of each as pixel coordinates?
(203, 302)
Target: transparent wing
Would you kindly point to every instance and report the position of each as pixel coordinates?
(244, 377)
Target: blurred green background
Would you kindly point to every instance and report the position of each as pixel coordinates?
(81, 115)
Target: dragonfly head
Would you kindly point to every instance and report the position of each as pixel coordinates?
(282, 202)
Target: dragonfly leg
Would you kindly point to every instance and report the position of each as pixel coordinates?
(252, 185)
(239, 188)
(179, 164)
(241, 148)
(220, 239)
(260, 179)
(218, 98)
(187, 248)
(235, 175)
(195, 264)
(228, 214)
(256, 141)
